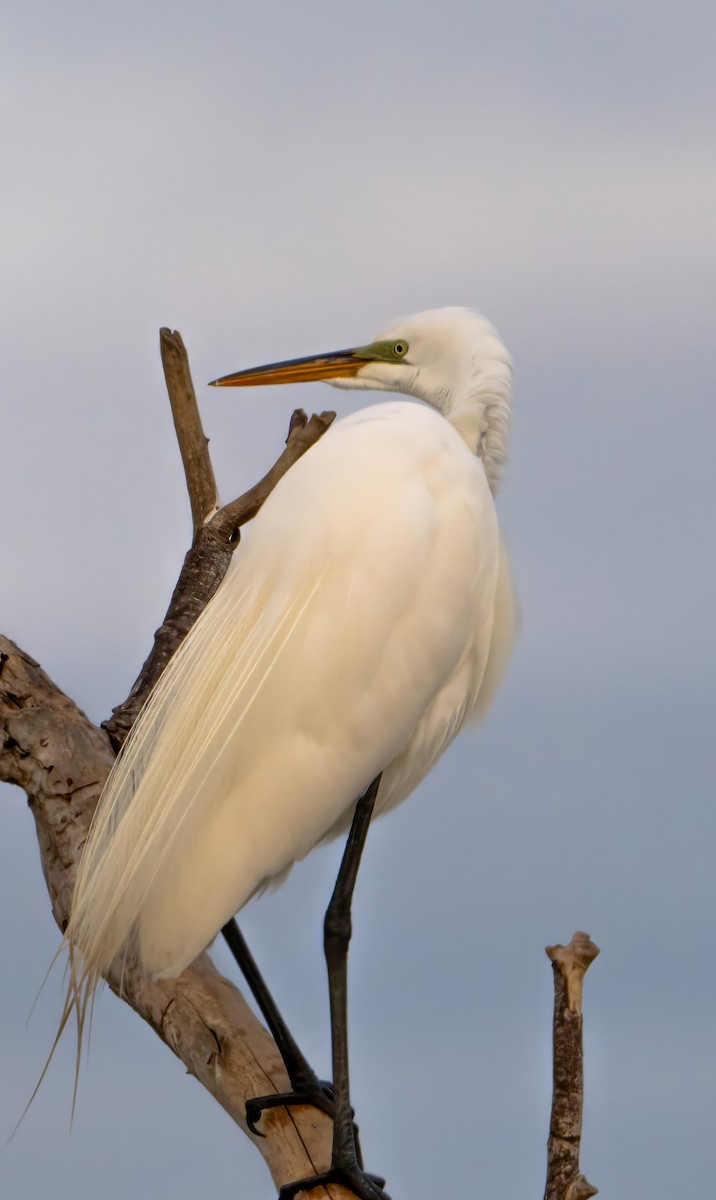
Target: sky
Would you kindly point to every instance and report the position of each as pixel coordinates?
(278, 179)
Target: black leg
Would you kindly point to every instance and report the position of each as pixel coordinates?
(306, 1087)
(345, 1166)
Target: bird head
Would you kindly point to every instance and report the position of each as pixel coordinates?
(432, 355)
(451, 358)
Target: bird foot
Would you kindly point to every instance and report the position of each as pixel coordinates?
(363, 1185)
(317, 1093)
(320, 1096)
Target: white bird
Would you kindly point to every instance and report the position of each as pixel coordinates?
(365, 617)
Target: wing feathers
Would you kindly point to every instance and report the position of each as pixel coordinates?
(159, 783)
(344, 616)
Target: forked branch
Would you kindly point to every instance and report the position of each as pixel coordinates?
(216, 530)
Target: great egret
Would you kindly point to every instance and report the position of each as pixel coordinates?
(367, 615)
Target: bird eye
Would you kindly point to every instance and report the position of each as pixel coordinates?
(400, 349)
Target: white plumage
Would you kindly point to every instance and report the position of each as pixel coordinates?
(366, 615)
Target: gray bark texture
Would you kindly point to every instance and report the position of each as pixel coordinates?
(564, 1180)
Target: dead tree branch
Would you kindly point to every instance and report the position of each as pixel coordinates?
(193, 443)
(564, 1181)
(49, 748)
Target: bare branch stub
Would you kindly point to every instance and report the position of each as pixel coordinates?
(564, 1181)
(303, 433)
(193, 442)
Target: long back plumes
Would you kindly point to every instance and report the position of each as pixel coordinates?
(159, 782)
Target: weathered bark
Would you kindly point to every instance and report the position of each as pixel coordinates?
(193, 443)
(564, 1181)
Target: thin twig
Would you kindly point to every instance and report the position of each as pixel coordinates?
(564, 1181)
(303, 432)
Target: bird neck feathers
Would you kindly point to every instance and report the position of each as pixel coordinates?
(481, 412)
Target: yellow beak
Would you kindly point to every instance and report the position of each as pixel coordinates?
(299, 370)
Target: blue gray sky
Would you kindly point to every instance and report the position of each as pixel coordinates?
(280, 178)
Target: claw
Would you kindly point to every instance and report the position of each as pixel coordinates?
(322, 1099)
(254, 1112)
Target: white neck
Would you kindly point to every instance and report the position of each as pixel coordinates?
(481, 414)
(459, 366)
